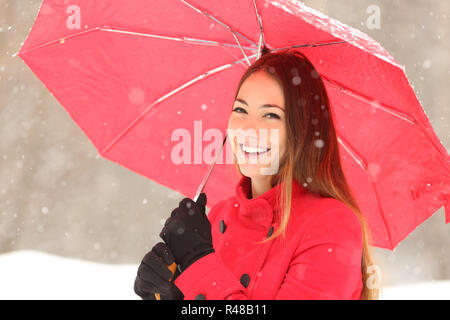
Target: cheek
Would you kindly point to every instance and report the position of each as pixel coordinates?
(279, 136)
(280, 142)
(233, 125)
(237, 121)
(236, 125)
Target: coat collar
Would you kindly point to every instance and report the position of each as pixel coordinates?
(262, 211)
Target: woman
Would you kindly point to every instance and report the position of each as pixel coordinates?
(296, 233)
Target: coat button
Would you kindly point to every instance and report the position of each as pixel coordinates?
(200, 297)
(222, 226)
(270, 232)
(245, 280)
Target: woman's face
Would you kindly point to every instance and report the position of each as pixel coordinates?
(256, 127)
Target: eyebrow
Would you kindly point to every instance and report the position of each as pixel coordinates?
(263, 106)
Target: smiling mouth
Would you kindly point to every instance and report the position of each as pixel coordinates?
(253, 150)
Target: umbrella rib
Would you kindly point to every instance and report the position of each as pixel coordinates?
(164, 97)
(218, 21)
(354, 154)
(309, 45)
(240, 61)
(246, 58)
(109, 29)
(262, 41)
(387, 109)
(374, 103)
(61, 40)
(184, 39)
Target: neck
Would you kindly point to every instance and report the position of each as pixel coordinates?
(260, 185)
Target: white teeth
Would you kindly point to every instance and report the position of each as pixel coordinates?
(253, 149)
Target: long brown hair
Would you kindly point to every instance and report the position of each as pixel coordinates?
(312, 153)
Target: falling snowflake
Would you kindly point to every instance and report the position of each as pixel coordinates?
(426, 64)
(319, 143)
(296, 80)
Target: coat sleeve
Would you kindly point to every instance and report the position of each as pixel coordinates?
(326, 265)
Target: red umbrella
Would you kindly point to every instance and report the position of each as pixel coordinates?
(136, 75)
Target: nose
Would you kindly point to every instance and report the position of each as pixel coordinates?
(249, 124)
(250, 132)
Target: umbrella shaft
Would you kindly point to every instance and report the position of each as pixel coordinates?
(206, 176)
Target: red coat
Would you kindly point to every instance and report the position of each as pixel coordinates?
(320, 259)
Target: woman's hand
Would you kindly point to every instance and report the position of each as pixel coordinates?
(187, 232)
(154, 279)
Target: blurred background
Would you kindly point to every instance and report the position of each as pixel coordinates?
(71, 220)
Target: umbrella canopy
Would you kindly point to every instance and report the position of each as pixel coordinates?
(131, 74)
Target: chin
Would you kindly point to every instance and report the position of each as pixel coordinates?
(249, 172)
(253, 171)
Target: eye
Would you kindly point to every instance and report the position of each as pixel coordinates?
(239, 108)
(273, 115)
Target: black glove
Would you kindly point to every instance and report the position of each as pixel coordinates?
(187, 232)
(154, 277)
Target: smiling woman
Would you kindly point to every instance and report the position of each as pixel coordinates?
(284, 92)
(295, 232)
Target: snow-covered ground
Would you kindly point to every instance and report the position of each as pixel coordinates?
(36, 275)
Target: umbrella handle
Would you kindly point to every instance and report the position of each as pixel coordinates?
(200, 188)
(206, 176)
(172, 269)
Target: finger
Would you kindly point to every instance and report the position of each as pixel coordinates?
(183, 202)
(166, 227)
(150, 281)
(188, 205)
(168, 221)
(152, 265)
(202, 199)
(163, 251)
(157, 265)
(175, 211)
(163, 233)
(144, 289)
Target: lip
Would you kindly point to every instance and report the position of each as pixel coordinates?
(248, 155)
